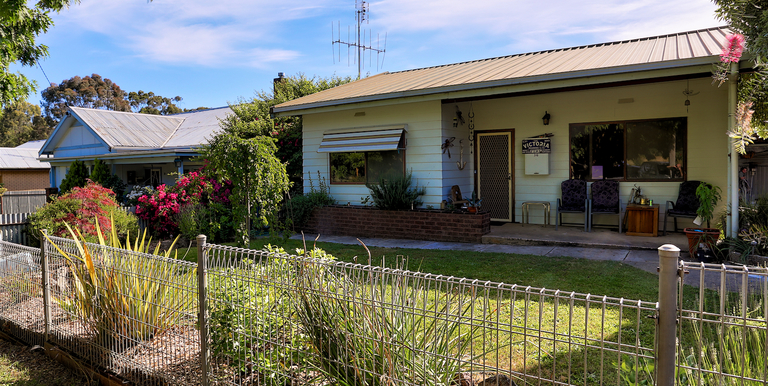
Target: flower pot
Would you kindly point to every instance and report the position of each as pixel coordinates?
(472, 209)
(697, 236)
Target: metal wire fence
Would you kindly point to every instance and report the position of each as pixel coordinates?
(722, 334)
(279, 319)
(242, 317)
(133, 314)
(21, 292)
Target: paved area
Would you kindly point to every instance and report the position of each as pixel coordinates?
(602, 244)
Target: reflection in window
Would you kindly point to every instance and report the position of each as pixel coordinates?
(360, 168)
(655, 149)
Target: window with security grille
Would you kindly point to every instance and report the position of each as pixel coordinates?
(647, 150)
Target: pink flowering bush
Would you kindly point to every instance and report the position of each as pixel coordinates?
(162, 208)
(731, 54)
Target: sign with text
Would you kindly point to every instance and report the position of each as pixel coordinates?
(537, 146)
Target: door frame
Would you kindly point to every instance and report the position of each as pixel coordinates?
(476, 161)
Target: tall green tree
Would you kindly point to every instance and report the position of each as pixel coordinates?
(100, 172)
(252, 118)
(149, 103)
(22, 122)
(101, 93)
(76, 176)
(259, 178)
(89, 91)
(20, 24)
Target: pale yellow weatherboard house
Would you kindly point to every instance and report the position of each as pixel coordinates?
(616, 111)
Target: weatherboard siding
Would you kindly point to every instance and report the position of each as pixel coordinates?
(420, 155)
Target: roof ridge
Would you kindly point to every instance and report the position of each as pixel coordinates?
(175, 130)
(118, 112)
(563, 49)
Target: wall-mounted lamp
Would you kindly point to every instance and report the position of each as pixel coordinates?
(545, 118)
(177, 162)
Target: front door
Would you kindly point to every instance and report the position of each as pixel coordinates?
(494, 174)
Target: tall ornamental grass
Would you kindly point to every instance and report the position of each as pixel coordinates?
(123, 295)
(385, 328)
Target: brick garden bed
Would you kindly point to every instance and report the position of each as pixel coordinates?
(424, 224)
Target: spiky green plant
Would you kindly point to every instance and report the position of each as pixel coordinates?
(122, 294)
(384, 329)
(395, 193)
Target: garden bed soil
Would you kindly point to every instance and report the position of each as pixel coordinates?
(424, 224)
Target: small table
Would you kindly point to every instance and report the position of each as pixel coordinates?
(642, 220)
(526, 209)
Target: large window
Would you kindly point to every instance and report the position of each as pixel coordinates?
(629, 150)
(369, 166)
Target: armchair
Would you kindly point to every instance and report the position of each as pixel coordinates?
(574, 200)
(605, 200)
(686, 205)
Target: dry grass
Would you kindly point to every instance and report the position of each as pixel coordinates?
(21, 366)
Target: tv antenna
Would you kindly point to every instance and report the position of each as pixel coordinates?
(359, 44)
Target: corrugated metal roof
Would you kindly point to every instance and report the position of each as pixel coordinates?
(122, 129)
(32, 145)
(569, 62)
(198, 127)
(134, 130)
(21, 158)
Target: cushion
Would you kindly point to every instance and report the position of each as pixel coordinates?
(574, 194)
(605, 196)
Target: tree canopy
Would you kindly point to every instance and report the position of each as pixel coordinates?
(258, 178)
(90, 91)
(20, 24)
(97, 92)
(76, 177)
(749, 20)
(252, 118)
(22, 122)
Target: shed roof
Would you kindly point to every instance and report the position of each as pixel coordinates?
(666, 51)
(21, 158)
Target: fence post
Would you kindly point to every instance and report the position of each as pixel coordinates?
(667, 322)
(46, 282)
(202, 289)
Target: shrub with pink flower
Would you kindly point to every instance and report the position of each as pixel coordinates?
(161, 208)
(731, 54)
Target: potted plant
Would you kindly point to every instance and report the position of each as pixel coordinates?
(709, 196)
(473, 204)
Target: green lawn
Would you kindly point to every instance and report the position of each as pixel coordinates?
(609, 278)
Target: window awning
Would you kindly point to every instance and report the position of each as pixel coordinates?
(363, 140)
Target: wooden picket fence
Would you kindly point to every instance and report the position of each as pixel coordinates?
(13, 228)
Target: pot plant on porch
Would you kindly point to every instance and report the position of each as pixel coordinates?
(709, 196)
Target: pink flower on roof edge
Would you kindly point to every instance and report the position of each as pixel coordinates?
(732, 52)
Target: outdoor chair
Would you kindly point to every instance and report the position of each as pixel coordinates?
(686, 205)
(605, 200)
(574, 200)
(456, 198)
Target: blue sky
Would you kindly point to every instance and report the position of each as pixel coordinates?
(214, 52)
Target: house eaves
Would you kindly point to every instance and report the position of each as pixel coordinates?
(637, 58)
(127, 155)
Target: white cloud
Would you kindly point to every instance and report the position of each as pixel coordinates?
(538, 25)
(254, 33)
(198, 32)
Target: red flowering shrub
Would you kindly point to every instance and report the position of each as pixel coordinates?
(162, 208)
(81, 208)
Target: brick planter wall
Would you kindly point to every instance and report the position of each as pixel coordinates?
(418, 225)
